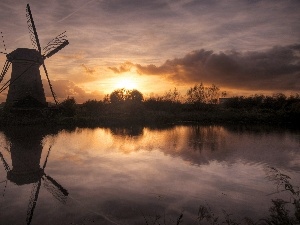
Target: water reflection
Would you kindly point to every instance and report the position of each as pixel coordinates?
(131, 131)
(117, 175)
(25, 151)
(196, 144)
(211, 137)
(200, 145)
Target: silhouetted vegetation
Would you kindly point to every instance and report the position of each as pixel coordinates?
(126, 102)
(282, 211)
(201, 104)
(91, 108)
(199, 94)
(276, 102)
(123, 95)
(68, 107)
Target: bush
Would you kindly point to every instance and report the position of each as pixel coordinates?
(92, 108)
(68, 107)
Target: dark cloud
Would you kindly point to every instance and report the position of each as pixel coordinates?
(151, 31)
(277, 68)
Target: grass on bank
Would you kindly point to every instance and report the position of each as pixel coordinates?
(281, 212)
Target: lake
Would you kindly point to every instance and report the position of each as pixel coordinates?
(141, 175)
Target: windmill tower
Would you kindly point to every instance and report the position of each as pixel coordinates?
(25, 85)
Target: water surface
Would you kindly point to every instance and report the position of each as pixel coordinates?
(134, 175)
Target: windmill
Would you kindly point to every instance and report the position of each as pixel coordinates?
(25, 84)
(29, 173)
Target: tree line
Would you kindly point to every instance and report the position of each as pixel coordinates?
(198, 104)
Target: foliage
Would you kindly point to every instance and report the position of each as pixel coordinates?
(68, 107)
(201, 94)
(159, 104)
(162, 220)
(173, 96)
(106, 99)
(117, 96)
(123, 95)
(92, 108)
(275, 102)
(282, 212)
(126, 105)
(279, 214)
(135, 96)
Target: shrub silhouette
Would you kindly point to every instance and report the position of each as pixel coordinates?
(68, 107)
(92, 108)
(123, 95)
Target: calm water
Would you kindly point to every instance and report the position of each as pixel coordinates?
(130, 176)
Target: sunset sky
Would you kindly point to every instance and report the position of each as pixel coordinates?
(242, 46)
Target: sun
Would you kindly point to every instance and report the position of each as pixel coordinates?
(126, 82)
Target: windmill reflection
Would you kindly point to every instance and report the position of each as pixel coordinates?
(26, 150)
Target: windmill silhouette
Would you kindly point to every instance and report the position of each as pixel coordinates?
(26, 169)
(25, 85)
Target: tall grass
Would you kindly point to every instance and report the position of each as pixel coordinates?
(282, 211)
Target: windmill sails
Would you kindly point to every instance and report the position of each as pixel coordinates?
(25, 86)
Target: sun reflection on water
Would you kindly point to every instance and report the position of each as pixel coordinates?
(109, 170)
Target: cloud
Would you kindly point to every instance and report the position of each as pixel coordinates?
(106, 32)
(129, 6)
(62, 88)
(277, 68)
(67, 88)
(78, 9)
(124, 67)
(88, 70)
(81, 73)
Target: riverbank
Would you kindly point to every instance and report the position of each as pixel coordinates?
(157, 118)
(276, 110)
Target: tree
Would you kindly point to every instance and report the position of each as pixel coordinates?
(196, 94)
(118, 96)
(201, 94)
(68, 107)
(127, 102)
(134, 96)
(123, 95)
(92, 107)
(172, 96)
(212, 94)
(106, 99)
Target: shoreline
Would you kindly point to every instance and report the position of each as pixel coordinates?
(158, 119)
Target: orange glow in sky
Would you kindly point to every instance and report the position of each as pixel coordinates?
(127, 81)
(155, 46)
